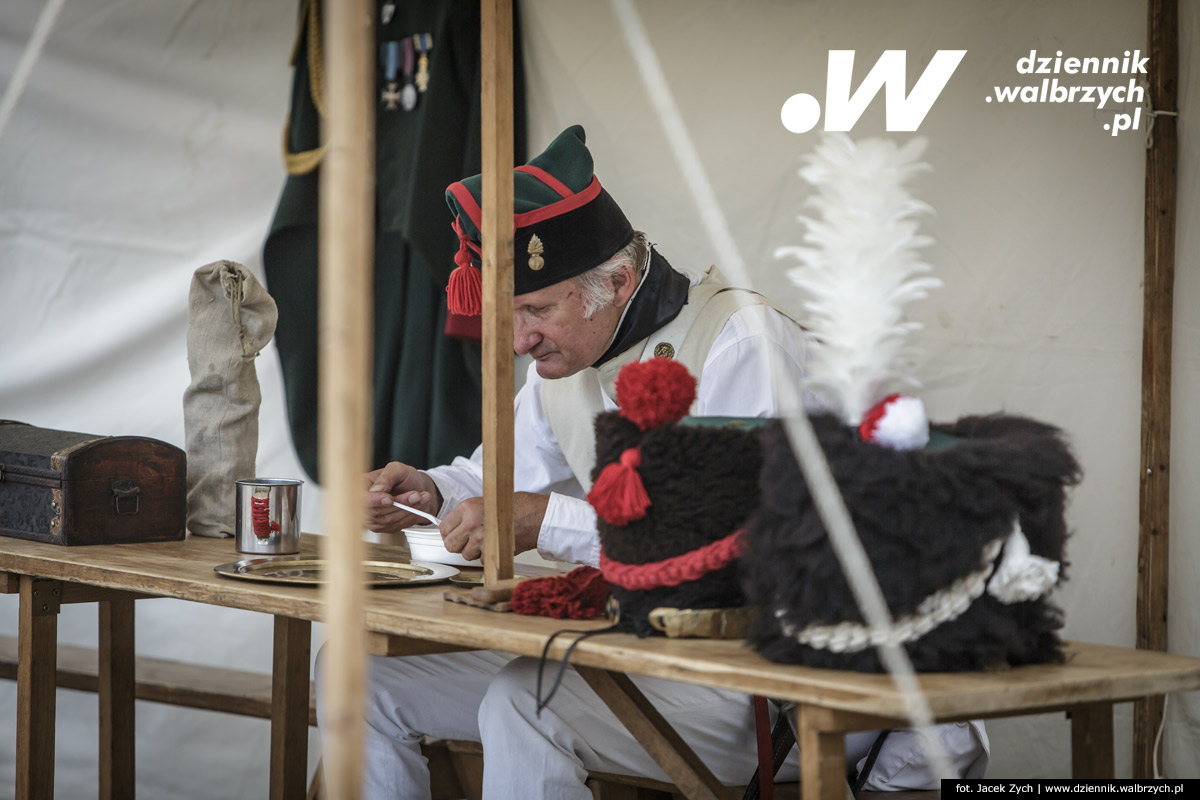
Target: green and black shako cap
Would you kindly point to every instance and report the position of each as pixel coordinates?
(564, 223)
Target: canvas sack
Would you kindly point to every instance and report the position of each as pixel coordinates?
(230, 320)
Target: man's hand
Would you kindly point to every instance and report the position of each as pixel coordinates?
(462, 529)
(399, 482)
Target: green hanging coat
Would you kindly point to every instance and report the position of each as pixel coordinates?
(426, 384)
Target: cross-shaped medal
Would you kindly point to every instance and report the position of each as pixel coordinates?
(390, 95)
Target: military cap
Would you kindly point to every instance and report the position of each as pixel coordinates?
(564, 223)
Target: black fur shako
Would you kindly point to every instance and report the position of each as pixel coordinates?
(703, 484)
(924, 518)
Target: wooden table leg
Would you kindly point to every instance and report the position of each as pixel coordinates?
(1092, 741)
(822, 756)
(289, 708)
(37, 648)
(116, 693)
(654, 733)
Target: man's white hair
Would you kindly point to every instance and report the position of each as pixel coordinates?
(596, 285)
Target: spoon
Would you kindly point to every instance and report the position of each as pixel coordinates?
(419, 513)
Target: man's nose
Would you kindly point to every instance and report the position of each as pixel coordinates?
(525, 336)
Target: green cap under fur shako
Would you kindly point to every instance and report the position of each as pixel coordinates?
(564, 222)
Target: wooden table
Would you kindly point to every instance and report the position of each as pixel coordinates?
(418, 620)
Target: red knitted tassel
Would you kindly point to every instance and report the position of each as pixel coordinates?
(580, 594)
(464, 294)
(618, 494)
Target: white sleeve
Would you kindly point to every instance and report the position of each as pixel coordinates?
(569, 532)
(755, 367)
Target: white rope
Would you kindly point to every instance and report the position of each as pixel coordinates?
(942, 606)
(16, 87)
(1151, 113)
(688, 160)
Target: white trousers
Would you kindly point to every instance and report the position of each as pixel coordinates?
(489, 697)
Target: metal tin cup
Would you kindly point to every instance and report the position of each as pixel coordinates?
(268, 516)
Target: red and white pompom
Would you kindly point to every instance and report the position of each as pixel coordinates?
(897, 421)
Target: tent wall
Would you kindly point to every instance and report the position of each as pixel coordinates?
(147, 144)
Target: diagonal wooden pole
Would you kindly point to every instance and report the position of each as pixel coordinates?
(1158, 291)
(496, 43)
(344, 331)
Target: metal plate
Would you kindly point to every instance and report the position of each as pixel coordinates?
(310, 571)
(468, 580)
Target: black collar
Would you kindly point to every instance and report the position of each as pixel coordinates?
(661, 297)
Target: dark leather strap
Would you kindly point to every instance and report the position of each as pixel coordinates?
(762, 784)
(762, 727)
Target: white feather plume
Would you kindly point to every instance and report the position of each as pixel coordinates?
(860, 267)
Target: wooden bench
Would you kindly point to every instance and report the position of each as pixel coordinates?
(456, 768)
(175, 683)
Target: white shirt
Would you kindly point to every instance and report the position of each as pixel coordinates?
(754, 359)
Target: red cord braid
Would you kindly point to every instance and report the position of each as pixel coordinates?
(674, 570)
(260, 516)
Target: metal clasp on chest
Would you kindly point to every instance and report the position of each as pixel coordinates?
(125, 497)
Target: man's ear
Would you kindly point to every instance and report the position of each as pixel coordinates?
(624, 284)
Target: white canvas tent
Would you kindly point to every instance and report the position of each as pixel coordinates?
(146, 145)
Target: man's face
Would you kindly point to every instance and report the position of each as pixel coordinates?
(550, 326)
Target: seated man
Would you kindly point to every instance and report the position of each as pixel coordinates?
(591, 295)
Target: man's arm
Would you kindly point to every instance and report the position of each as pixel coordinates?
(462, 529)
(541, 474)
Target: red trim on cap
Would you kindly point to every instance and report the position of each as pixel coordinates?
(561, 207)
(465, 199)
(546, 178)
(675, 570)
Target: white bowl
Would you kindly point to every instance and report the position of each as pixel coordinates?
(425, 544)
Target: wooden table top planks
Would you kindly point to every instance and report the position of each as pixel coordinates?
(184, 570)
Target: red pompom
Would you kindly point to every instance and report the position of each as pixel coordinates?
(464, 294)
(618, 494)
(655, 392)
(580, 594)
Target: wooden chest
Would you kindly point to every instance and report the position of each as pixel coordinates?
(72, 488)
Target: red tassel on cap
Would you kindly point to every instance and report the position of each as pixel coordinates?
(618, 494)
(464, 293)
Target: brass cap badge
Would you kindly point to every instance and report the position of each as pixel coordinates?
(535, 253)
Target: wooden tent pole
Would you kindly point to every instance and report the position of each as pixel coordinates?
(1159, 285)
(347, 225)
(496, 43)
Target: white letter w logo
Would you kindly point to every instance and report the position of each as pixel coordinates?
(802, 111)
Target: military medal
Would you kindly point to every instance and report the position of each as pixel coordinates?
(390, 54)
(423, 43)
(408, 95)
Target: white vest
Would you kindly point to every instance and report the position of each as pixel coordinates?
(572, 403)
